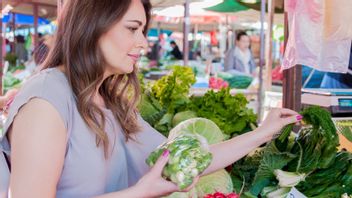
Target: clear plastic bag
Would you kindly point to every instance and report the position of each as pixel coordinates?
(189, 157)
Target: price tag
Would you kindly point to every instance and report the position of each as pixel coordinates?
(294, 193)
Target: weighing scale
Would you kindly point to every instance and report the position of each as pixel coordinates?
(339, 103)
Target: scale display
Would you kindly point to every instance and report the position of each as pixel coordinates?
(345, 102)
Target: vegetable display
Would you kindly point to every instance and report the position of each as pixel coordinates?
(310, 162)
(166, 102)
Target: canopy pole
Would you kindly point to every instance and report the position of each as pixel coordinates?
(186, 30)
(261, 60)
(269, 46)
(13, 50)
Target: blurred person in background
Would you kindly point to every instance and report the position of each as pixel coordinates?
(240, 58)
(175, 52)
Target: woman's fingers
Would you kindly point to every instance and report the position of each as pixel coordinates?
(195, 181)
(160, 163)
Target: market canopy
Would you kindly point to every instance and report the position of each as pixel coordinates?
(23, 19)
(48, 8)
(255, 4)
(228, 6)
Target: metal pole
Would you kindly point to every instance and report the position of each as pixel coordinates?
(35, 13)
(261, 60)
(186, 30)
(269, 46)
(158, 43)
(14, 32)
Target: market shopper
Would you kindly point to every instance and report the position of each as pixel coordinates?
(175, 52)
(240, 58)
(74, 129)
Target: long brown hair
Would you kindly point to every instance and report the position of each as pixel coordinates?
(80, 25)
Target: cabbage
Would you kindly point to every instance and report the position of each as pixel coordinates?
(219, 181)
(182, 116)
(189, 157)
(202, 126)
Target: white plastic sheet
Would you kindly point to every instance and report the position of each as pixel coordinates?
(312, 40)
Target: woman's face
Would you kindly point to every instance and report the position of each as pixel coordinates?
(244, 42)
(122, 44)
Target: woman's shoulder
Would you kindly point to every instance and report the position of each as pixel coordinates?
(50, 85)
(48, 80)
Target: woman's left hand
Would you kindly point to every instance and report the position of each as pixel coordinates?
(277, 119)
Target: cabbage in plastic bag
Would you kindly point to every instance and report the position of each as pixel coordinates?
(189, 157)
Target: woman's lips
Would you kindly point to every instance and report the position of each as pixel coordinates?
(134, 57)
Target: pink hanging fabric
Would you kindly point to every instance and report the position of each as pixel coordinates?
(311, 40)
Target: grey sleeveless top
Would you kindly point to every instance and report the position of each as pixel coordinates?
(86, 172)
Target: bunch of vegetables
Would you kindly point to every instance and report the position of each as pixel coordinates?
(162, 99)
(228, 112)
(166, 103)
(219, 181)
(235, 80)
(309, 162)
(217, 83)
(189, 157)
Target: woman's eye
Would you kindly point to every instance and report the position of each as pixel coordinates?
(132, 29)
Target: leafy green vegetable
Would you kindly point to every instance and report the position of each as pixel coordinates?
(201, 126)
(150, 109)
(11, 82)
(228, 112)
(164, 125)
(279, 193)
(219, 181)
(288, 179)
(189, 157)
(272, 159)
(172, 90)
(182, 116)
(319, 141)
(236, 81)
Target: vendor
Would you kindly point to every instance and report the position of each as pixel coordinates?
(240, 57)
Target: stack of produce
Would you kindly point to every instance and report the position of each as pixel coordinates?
(166, 103)
(236, 81)
(184, 164)
(310, 162)
(217, 83)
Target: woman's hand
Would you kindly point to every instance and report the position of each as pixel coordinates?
(153, 185)
(276, 120)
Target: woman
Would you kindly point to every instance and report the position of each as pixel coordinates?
(73, 128)
(240, 57)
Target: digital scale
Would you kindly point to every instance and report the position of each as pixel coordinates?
(339, 103)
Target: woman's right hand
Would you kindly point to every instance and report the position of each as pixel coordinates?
(154, 185)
